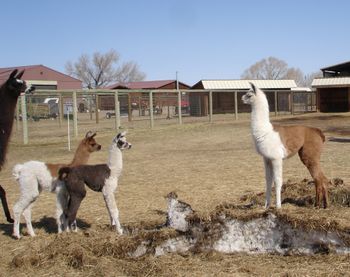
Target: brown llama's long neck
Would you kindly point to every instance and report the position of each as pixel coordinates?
(7, 112)
(81, 155)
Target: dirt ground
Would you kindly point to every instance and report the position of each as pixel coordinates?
(206, 164)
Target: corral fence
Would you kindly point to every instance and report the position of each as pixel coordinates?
(151, 105)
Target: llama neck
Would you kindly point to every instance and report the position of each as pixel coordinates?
(260, 118)
(81, 156)
(7, 111)
(115, 161)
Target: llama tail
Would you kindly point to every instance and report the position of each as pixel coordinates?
(321, 134)
(63, 173)
(16, 171)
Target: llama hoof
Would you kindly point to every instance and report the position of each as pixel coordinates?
(16, 236)
(10, 220)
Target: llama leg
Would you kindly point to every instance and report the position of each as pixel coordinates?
(4, 205)
(311, 160)
(71, 213)
(27, 214)
(62, 198)
(268, 179)
(23, 203)
(111, 205)
(278, 180)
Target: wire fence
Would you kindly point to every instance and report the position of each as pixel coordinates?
(142, 108)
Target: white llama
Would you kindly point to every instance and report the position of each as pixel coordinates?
(101, 178)
(276, 143)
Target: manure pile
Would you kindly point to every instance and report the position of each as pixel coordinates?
(246, 226)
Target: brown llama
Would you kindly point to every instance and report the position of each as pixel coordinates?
(35, 176)
(276, 143)
(10, 90)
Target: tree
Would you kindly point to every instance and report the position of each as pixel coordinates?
(275, 69)
(308, 78)
(101, 70)
(267, 69)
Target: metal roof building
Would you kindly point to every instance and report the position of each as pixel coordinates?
(333, 90)
(244, 84)
(224, 96)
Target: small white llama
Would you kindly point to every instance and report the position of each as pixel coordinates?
(276, 143)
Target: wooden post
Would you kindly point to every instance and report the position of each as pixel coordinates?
(24, 118)
(129, 108)
(60, 110)
(236, 106)
(97, 108)
(292, 102)
(140, 106)
(179, 106)
(117, 111)
(151, 109)
(90, 106)
(210, 106)
(276, 104)
(75, 114)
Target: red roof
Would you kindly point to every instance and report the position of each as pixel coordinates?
(143, 85)
(43, 73)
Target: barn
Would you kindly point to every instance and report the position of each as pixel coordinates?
(43, 77)
(224, 95)
(333, 90)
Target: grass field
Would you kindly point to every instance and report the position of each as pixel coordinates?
(206, 164)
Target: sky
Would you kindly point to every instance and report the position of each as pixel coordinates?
(198, 39)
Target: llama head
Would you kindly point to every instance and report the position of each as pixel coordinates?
(253, 95)
(90, 143)
(121, 142)
(14, 85)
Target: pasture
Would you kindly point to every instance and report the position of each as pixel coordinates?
(206, 164)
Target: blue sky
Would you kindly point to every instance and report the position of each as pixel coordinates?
(199, 39)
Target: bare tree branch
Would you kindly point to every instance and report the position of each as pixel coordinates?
(102, 69)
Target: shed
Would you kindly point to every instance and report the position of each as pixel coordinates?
(333, 90)
(224, 99)
(43, 77)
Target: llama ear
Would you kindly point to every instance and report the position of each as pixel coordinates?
(122, 134)
(90, 134)
(19, 76)
(253, 87)
(13, 74)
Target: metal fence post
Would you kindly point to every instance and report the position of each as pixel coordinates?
(151, 108)
(17, 114)
(75, 114)
(210, 106)
(24, 118)
(179, 106)
(117, 111)
(236, 105)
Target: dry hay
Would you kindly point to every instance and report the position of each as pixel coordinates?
(86, 249)
(303, 194)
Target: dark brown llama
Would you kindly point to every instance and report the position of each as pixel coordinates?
(10, 90)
